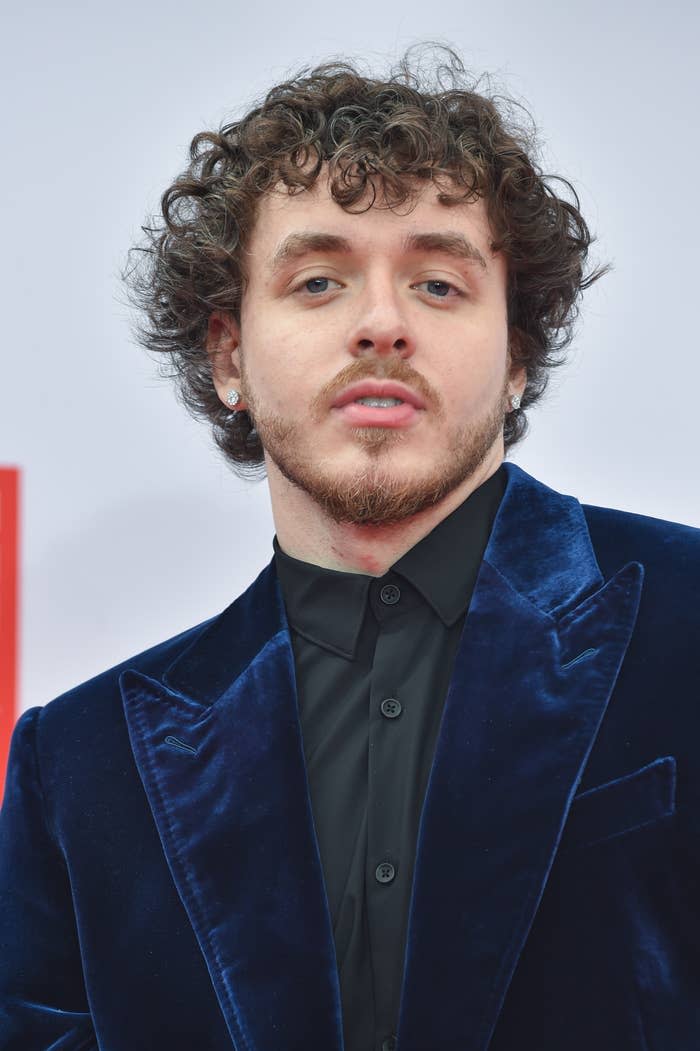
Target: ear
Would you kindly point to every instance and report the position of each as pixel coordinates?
(223, 349)
(517, 374)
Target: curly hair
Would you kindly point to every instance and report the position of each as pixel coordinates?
(396, 131)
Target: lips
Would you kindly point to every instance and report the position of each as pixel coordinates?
(378, 389)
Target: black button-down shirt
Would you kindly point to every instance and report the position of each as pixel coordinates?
(374, 658)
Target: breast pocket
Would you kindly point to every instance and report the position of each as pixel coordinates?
(623, 805)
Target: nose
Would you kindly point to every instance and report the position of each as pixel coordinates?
(381, 325)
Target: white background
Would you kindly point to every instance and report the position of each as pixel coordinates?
(133, 527)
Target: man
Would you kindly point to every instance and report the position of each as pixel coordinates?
(431, 781)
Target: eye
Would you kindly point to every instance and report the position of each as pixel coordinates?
(438, 289)
(317, 285)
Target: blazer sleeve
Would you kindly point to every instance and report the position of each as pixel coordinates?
(43, 1003)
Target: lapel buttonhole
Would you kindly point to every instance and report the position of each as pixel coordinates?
(175, 742)
(581, 657)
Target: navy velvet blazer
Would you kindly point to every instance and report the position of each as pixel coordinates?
(160, 881)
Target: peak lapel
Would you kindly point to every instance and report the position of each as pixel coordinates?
(218, 748)
(541, 650)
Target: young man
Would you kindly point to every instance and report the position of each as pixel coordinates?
(432, 780)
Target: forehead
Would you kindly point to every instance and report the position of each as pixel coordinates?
(280, 214)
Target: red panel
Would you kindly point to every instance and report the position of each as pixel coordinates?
(9, 609)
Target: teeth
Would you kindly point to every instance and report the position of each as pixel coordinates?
(379, 403)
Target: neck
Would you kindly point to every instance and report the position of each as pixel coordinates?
(305, 531)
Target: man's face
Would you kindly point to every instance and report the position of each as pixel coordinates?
(379, 305)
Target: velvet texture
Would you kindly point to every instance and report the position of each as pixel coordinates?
(160, 881)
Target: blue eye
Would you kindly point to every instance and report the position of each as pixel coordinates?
(317, 284)
(438, 288)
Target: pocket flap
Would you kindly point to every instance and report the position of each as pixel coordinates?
(623, 804)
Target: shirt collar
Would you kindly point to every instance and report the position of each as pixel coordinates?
(327, 606)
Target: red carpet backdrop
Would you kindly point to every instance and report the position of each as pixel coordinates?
(9, 609)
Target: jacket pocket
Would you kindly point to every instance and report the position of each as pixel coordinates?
(622, 805)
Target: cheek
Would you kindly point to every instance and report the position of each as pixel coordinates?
(288, 357)
(275, 371)
(476, 371)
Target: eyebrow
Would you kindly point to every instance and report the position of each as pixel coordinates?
(297, 245)
(454, 244)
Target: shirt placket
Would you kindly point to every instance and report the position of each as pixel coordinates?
(386, 875)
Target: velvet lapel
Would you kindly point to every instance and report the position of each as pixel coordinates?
(218, 748)
(542, 646)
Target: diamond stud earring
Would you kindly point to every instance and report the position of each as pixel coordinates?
(515, 401)
(232, 398)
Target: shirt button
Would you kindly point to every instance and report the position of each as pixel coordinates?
(390, 707)
(385, 872)
(390, 594)
(390, 1044)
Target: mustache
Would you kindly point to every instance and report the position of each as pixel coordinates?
(392, 368)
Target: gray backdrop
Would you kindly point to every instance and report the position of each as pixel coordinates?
(134, 528)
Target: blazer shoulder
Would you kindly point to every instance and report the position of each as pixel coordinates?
(97, 701)
(98, 697)
(669, 551)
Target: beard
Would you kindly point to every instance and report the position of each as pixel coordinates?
(375, 493)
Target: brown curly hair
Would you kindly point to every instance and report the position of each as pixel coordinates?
(396, 130)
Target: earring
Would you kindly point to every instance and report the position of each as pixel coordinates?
(515, 401)
(232, 398)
